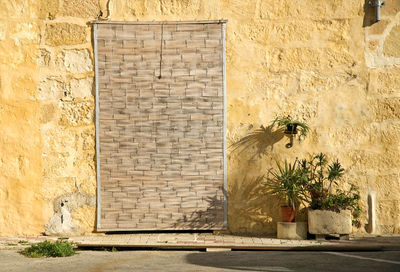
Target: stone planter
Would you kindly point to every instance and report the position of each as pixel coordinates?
(322, 222)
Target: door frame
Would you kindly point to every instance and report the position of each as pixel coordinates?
(97, 107)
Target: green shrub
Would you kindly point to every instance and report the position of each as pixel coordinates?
(315, 182)
(321, 177)
(49, 249)
(288, 182)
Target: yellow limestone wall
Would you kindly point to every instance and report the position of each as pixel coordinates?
(326, 62)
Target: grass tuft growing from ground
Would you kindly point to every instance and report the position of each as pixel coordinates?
(49, 249)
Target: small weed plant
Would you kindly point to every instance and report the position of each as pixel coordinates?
(49, 249)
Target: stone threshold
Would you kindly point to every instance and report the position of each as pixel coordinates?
(206, 241)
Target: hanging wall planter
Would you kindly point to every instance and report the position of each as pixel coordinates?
(292, 127)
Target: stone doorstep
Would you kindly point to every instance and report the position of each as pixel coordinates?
(194, 241)
(189, 241)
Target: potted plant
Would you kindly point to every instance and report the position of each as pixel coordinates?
(331, 211)
(292, 126)
(287, 181)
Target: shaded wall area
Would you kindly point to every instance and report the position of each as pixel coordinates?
(326, 62)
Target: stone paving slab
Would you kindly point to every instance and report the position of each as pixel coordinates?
(195, 240)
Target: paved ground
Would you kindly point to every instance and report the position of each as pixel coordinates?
(124, 261)
(210, 240)
(191, 240)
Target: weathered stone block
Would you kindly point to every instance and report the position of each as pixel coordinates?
(54, 187)
(384, 82)
(14, 56)
(44, 58)
(76, 61)
(387, 187)
(3, 31)
(48, 9)
(380, 160)
(77, 113)
(288, 59)
(81, 88)
(378, 28)
(81, 8)
(84, 218)
(391, 46)
(52, 89)
(388, 212)
(392, 7)
(18, 9)
(24, 33)
(386, 108)
(384, 134)
(310, 9)
(58, 164)
(48, 112)
(64, 34)
(298, 32)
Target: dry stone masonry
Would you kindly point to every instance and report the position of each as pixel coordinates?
(161, 126)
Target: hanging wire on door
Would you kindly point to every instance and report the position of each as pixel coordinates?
(161, 48)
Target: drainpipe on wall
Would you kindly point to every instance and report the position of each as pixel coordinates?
(377, 4)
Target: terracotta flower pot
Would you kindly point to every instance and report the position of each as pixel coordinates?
(288, 214)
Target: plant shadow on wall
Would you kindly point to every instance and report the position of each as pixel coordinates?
(249, 210)
(210, 216)
(252, 209)
(257, 142)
